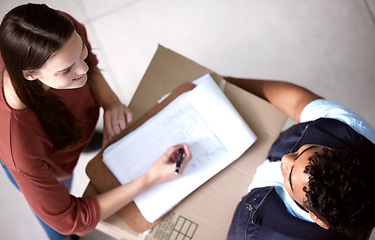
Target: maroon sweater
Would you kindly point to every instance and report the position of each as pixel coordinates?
(38, 167)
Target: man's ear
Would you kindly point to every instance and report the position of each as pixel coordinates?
(29, 75)
(318, 221)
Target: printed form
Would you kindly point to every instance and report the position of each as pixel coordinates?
(204, 119)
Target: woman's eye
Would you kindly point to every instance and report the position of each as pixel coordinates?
(67, 71)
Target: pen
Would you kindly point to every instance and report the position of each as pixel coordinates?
(179, 160)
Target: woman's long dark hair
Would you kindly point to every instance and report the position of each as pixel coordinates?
(29, 35)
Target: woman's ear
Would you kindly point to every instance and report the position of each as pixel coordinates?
(318, 221)
(29, 75)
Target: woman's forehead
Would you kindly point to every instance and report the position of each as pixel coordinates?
(66, 56)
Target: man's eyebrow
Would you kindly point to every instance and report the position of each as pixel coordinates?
(66, 69)
(291, 170)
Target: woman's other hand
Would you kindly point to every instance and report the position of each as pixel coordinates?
(116, 117)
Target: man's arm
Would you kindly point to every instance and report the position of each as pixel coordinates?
(288, 97)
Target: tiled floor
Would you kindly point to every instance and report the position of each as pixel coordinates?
(327, 46)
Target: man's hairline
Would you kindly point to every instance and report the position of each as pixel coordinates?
(291, 170)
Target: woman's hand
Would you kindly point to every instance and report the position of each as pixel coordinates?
(163, 169)
(116, 116)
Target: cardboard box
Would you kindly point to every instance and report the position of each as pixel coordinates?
(208, 211)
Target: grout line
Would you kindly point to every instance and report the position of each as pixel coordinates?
(370, 11)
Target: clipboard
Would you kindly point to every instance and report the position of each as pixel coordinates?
(103, 179)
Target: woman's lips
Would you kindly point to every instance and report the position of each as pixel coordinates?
(79, 78)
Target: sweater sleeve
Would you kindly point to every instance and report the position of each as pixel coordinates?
(51, 201)
(35, 164)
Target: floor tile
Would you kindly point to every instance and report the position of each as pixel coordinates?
(16, 218)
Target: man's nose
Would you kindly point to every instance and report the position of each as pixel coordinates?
(288, 161)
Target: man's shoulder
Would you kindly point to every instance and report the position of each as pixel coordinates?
(323, 108)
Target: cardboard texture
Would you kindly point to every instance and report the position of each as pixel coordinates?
(208, 211)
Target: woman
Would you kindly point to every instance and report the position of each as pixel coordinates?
(52, 92)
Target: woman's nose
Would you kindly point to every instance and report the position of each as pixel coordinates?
(82, 68)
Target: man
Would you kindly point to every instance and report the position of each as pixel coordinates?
(318, 181)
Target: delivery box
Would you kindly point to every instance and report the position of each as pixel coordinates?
(207, 212)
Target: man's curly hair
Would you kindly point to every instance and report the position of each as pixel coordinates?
(341, 190)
